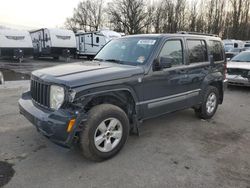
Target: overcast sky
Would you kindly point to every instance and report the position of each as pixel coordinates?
(29, 14)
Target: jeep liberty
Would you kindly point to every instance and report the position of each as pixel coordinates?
(98, 103)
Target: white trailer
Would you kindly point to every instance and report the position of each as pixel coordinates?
(53, 43)
(89, 43)
(231, 44)
(15, 44)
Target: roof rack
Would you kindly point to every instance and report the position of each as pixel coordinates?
(197, 33)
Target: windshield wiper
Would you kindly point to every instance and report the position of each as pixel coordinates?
(114, 60)
(109, 60)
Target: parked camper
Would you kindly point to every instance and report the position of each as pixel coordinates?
(88, 44)
(53, 42)
(15, 44)
(247, 45)
(230, 44)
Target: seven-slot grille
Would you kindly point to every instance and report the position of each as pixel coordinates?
(40, 92)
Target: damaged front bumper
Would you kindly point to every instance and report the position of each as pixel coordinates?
(238, 80)
(52, 124)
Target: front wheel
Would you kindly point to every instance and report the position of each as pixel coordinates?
(209, 104)
(105, 132)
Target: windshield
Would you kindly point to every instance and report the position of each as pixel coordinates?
(132, 51)
(242, 57)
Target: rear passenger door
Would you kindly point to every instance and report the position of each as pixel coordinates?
(198, 66)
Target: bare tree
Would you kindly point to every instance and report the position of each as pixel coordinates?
(130, 14)
(157, 21)
(87, 16)
(237, 6)
(71, 24)
(229, 20)
(193, 16)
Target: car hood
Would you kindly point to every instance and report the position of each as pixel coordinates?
(85, 73)
(239, 65)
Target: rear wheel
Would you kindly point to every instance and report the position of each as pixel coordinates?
(105, 132)
(209, 104)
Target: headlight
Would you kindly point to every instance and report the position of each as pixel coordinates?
(56, 97)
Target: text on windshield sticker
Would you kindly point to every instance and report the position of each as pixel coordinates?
(146, 42)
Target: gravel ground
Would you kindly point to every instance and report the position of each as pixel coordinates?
(176, 150)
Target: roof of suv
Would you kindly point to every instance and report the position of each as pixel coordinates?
(164, 35)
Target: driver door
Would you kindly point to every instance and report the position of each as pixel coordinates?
(165, 88)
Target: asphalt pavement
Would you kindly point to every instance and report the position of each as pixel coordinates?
(175, 150)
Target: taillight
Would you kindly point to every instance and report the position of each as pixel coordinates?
(225, 70)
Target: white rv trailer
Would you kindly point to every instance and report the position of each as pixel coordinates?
(53, 42)
(15, 44)
(89, 43)
(230, 44)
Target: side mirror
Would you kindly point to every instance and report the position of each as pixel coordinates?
(166, 62)
(211, 60)
(162, 63)
(228, 59)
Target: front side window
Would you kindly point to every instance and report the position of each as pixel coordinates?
(216, 49)
(173, 50)
(132, 51)
(197, 51)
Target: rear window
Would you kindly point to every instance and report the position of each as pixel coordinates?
(197, 51)
(216, 49)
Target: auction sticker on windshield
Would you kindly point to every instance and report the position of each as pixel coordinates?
(146, 42)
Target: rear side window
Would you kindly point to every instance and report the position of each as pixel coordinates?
(216, 50)
(197, 51)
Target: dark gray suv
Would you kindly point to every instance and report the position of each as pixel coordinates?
(131, 79)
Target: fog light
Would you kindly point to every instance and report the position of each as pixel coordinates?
(71, 125)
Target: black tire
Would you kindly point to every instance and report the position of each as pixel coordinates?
(96, 116)
(202, 111)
